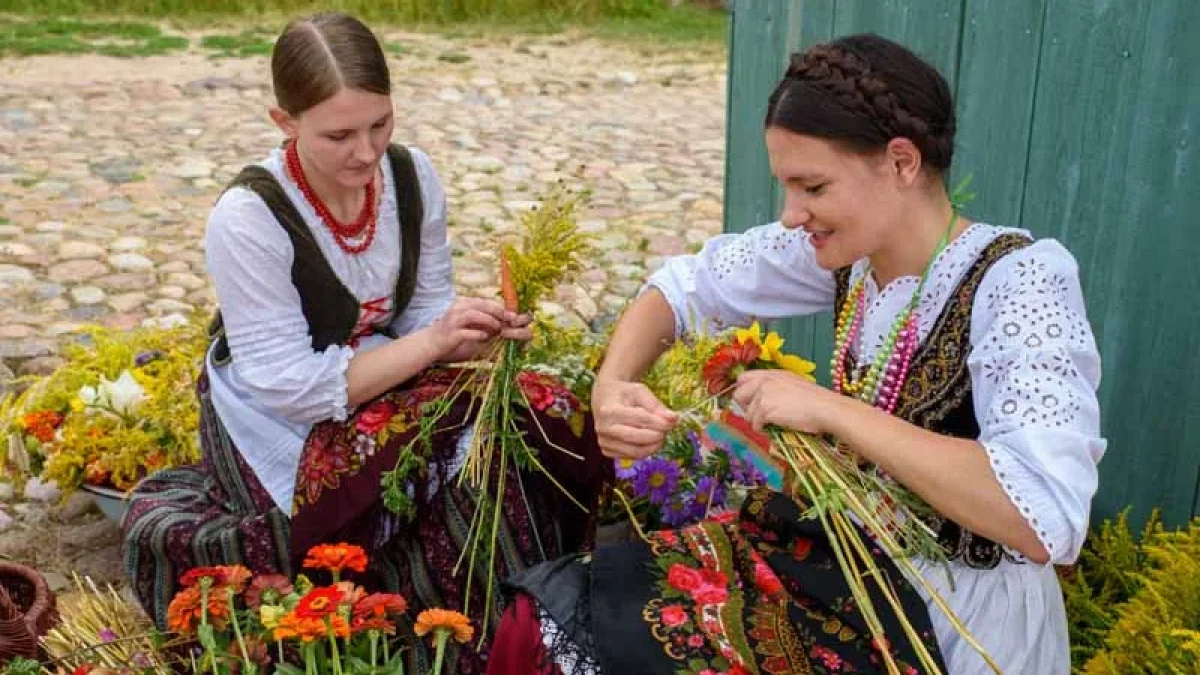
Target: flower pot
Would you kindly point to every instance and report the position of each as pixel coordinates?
(27, 611)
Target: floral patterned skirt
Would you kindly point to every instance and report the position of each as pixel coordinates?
(755, 592)
(338, 498)
(218, 513)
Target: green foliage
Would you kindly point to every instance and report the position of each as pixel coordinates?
(1157, 632)
(245, 43)
(1133, 600)
(619, 19)
(72, 36)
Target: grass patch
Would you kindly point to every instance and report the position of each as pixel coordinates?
(453, 57)
(623, 20)
(73, 36)
(254, 42)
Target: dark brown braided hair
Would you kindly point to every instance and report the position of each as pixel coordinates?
(863, 91)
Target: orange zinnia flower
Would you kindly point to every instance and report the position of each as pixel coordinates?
(295, 626)
(336, 557)
(236, 577)
(183, 610)
(319, 603)
(458, 625)
(183, 614)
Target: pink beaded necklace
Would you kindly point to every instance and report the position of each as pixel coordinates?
(881, 383)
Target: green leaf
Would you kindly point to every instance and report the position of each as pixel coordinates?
(288, 669)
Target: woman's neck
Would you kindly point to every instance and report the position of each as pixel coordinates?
(916, 241)
(345, 203)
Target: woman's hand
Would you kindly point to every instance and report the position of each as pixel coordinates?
(631, 422)
(786, 400)
(470, 323)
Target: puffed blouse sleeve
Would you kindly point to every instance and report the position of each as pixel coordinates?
(1035, 370)
(767, 272)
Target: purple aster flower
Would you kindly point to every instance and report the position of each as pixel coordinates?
(146, 357)
(710, 494)
(626, 468)
(140, 660)
(107, 635)
(697, 456)
(744, 473)
(681, 511)
(656, 479)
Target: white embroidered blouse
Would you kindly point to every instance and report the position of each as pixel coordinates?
(1034, 370)
(277, 387)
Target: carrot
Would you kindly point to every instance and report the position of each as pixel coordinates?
(507, 288)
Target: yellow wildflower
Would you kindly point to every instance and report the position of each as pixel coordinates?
(772, 351)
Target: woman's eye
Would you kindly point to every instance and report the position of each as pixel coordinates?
(816, 189)
(337, 137)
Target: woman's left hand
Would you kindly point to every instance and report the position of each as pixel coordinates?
(786, 400)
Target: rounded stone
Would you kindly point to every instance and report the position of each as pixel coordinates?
(128, 244)
(77, 270)
(186, 280)
(72, 250)
(87, 295)
(14, 274)
(131, 262)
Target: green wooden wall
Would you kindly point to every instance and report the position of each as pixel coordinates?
(1079, 120)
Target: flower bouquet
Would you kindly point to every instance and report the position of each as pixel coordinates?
(117, 410)
(717, 450)
(506, 382)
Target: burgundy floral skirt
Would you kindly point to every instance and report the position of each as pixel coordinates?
(217, 512)
(338, 498)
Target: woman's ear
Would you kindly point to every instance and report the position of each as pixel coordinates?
(904, 160)
(285, 122)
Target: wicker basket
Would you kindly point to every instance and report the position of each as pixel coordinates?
(27, 611)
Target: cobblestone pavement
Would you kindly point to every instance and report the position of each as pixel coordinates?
(108, 168)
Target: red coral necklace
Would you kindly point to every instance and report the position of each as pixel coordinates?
(363, 225)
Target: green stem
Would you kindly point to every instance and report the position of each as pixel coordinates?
(374, 640)
(237, 631)
(442, 634)
(333, 648)
(208, 650)
(279, 649)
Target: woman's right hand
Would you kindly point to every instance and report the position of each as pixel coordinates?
(631, 423)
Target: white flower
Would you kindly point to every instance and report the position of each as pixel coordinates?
(89, 396)
(125, 394)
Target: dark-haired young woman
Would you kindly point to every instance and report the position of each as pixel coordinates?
(964, 368)
(332, 270)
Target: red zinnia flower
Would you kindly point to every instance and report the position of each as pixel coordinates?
(724, 366)
(319, 603)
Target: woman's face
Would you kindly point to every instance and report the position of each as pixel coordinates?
(343, 137)
(846, 201)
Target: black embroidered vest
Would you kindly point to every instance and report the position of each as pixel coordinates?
(329, 307)
(937, 392)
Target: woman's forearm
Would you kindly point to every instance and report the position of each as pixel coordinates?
(953, 475)
(644, 332)
(373, 372)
